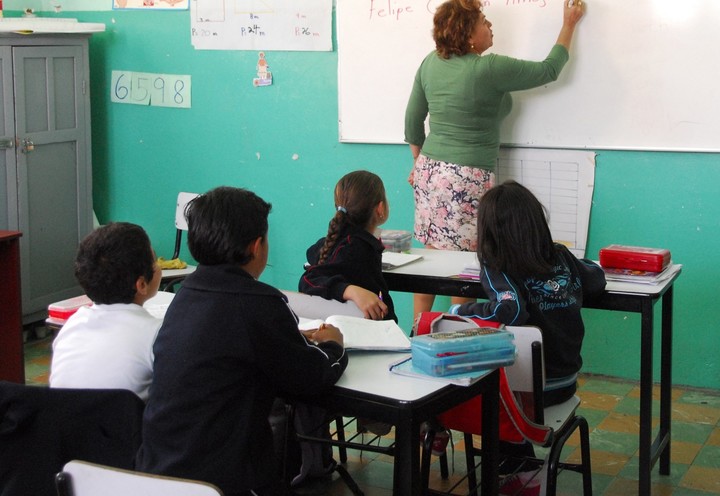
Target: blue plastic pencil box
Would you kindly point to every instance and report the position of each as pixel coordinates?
(462, 351)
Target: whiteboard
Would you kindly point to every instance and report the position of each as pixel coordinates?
(642, 73)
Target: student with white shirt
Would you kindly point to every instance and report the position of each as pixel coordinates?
(109, 344)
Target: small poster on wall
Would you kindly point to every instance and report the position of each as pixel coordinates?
(152, 4)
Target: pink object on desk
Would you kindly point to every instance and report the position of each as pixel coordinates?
(59, 312)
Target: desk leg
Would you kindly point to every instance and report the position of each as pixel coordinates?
(666, 381)
(12, 366)
(646, 387)
(406, 467)
(490, 437)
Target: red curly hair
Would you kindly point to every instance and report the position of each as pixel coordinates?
(453, 25)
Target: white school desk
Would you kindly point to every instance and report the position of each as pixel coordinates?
(434, 273)
(173, 273)
(368, 389)
(170, 276)
(156, 306)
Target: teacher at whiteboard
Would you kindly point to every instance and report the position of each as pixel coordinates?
(466, 93)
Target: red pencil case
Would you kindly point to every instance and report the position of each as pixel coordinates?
(634, 258)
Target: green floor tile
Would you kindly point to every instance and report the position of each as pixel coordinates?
(607, 387)
(709, 456)
(593, 417)
(376, 474)
(677, 472)
(631, 406)
(571, 484)
(37, 348)
(683, 491)
(691, 433)
(704, 398)
(614, 442)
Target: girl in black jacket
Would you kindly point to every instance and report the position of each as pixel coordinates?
(346, 264)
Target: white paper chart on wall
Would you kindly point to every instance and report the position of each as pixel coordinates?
(300, 25)
(563, 181)
(156, 90)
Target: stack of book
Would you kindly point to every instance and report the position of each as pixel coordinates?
(636, 264)
(639, 276)
(471, 271)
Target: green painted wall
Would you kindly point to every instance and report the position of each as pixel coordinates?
(281, 141)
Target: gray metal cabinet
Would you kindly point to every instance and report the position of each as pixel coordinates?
(45, 160)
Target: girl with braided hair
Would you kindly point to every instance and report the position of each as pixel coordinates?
(346, 264)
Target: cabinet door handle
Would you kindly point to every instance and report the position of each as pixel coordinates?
(27, 145)
(6, 143)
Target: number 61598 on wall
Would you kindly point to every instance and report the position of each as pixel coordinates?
(144, 88)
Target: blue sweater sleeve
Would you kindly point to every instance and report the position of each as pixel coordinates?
(505, 303)
(592, 277)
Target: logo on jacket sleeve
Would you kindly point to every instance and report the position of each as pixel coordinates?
(506, 296)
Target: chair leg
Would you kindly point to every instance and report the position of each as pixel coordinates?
(289, 430)
(444, 472)
(425, 458)
(553, 457)
(585, 453)
(349, 481)
(340, 433)
(470, 463)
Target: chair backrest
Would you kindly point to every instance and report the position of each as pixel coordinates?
(524, 379)
(526, 370)
(527, 375)
(43, 428)
(183, 199)
(317, 307)
(79, 478)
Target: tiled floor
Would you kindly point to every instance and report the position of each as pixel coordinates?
(611, 408)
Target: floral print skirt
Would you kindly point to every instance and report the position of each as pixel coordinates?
(446, 199)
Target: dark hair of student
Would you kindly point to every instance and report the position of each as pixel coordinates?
(110, 259)
(453, 24)
(513, 234)
(356, 195)
(223, 222)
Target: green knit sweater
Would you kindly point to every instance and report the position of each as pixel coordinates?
(467, 98)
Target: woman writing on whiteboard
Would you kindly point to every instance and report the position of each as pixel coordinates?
(466, 93)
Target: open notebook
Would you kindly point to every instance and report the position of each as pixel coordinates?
(364, 334)
(392, 260)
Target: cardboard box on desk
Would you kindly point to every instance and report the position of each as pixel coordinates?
(463, 351)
